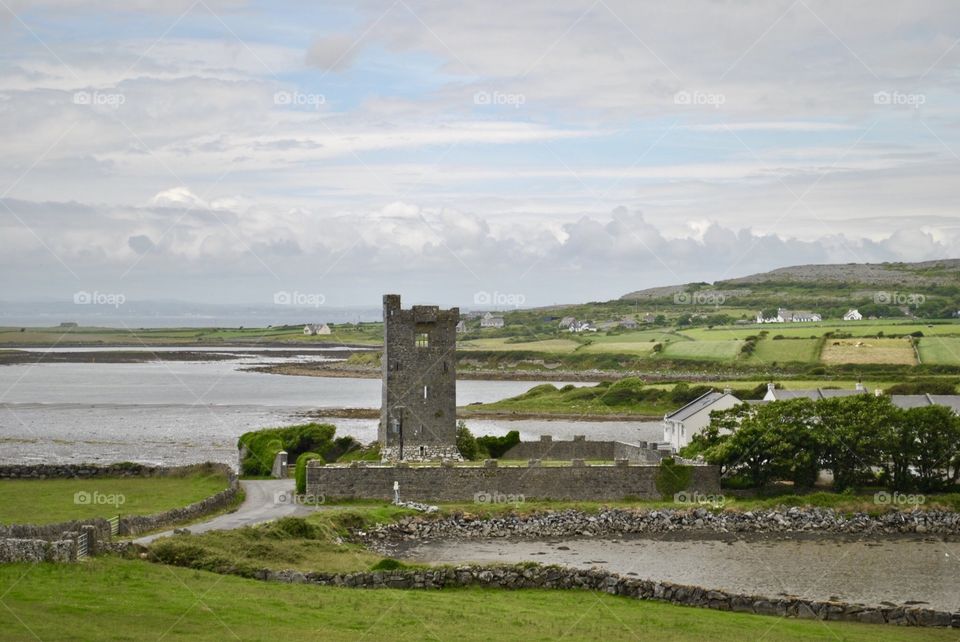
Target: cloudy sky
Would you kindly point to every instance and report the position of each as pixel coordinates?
(223, 151)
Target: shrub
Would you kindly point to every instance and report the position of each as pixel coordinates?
(301, 470)
(388, 564)
(497, 446)
(263, 445)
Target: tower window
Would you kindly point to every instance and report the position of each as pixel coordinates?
(424, 392)
(423, 340)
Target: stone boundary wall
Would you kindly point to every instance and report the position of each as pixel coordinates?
(136, 524)
(129, 524)
(555, 577)
(464, 483)
(90, 471)
(36, 550)
(579, 448)
(571, 523)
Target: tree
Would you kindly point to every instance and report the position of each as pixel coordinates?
(937, 432)
(855, 430)
(466, 442)
(796, 440)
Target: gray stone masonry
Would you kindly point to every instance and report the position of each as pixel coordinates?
(464, 483)
(419, 401)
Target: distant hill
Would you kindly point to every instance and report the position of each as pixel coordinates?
(925, 274)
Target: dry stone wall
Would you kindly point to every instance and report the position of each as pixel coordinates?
(466, 483)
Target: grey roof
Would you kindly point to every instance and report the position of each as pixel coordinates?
(910, 401)
(703, 401)
(817, 393)
(951, 401)
(900, 401)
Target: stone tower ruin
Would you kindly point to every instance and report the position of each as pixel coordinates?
(418, 413)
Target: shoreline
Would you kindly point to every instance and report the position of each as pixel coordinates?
(465, 413)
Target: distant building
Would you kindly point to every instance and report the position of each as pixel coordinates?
(903, 402)
(649, 318)
(312, 329)
(777, 394)
(680, 426)
(582, 326)
(853, 315)
(566, 322)
(790, 316)
(461, 326)
(629, 323)
(69, 324)
(488, 320)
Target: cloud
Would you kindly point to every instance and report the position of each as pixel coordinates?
(333, 52)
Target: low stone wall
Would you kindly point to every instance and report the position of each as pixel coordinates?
(89, 471)
(128, 524)
(579, 448)
(553, 577)
(136, 524)
(36, 550)
(463, 483)
(571, 523)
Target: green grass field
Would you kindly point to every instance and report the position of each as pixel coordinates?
(110, 598)
(44, 501)
(940, 351)
(720, 350)
(785, 351)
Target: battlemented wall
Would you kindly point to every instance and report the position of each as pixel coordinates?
(580, 448)
(419, 399)
(474, 483)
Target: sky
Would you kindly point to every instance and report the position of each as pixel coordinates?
(500, 153)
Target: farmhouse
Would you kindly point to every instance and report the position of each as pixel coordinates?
(312, 329)
(488, 320)
(853, 315)
(566, 323)
(681, 425)
(790, 316)
(461, 326)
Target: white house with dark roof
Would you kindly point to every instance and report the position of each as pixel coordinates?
(489, 320)
(853, 315)
(680, 426)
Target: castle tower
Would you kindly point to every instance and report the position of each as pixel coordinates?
(418, 413)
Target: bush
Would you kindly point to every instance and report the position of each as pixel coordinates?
(495, 447)
(301, 470)
(263, 445)
(388, 564)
